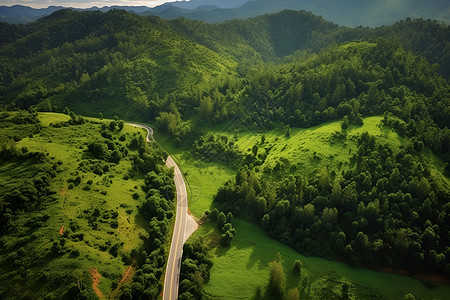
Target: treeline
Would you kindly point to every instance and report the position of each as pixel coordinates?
(158, 210)
(16, 126)
(346, 82)
(28, 199)
(217, 148)
(196, 261)
(387, 210)
(21, 195)
(194, 273)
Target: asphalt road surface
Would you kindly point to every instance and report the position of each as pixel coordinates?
(176, 249)
(149, 130)
(171, 281)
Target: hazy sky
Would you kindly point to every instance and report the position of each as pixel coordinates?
(82, 3)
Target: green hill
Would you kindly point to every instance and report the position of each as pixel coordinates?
(135, 67)
(282, 165)
(72, 209)
(113, 60)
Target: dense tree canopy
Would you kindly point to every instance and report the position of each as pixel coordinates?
(387, 210)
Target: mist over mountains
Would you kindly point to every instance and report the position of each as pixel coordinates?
(343, 12)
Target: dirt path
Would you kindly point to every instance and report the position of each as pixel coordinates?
(95, 282)
(126, 277)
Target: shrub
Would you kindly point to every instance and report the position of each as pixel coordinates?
(297, 266)
(277, 280)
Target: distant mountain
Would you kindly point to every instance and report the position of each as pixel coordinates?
(343, 12)
(19, 14)
(351, 13)
(193, 4)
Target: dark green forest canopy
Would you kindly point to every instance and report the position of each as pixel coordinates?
(139, 65)
(388, 209)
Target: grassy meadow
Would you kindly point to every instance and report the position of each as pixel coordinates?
(305, 151)
(240, 269)
(203, 178)
(99, 213)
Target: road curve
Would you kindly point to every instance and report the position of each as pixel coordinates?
(148, 128)
(180, 235)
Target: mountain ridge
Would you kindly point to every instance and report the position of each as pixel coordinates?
(342, 12)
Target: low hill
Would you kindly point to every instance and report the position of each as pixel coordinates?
(282, 167)
(72, 219)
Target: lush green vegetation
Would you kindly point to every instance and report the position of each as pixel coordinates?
(194, 270)
(252, 251)
(138, 67)
(387, 209)
(71, 207)
(335, 140)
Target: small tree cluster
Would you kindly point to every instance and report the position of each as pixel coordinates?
(228, 232)
(277, 278)
(194, 270)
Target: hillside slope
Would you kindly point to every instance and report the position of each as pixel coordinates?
(131, 66)
(112, 60)
(73, 206)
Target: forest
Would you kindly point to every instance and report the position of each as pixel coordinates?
(69, 80)
(387, 210)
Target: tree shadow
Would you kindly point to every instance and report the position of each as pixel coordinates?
(140, 221)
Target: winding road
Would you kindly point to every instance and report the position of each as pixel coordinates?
(185, 225)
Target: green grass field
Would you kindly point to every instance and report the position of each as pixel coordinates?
(203, 178)
(109, 194)
(308, 150)
(238, 270)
